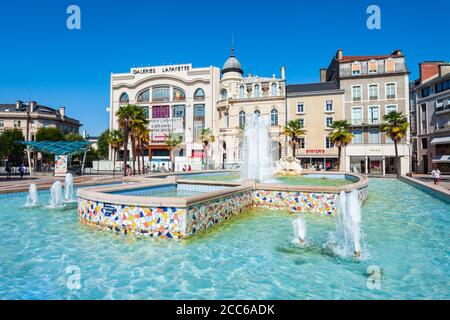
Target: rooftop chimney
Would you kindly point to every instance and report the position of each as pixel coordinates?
(283, 72)
(323, 75)
(33, 105)
(339, 54)
(19, 104)
(396, 52)
(428, 70)
(62, 111)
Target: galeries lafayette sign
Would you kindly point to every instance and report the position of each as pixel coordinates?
(162, 69)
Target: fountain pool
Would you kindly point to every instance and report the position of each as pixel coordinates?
(404, 228)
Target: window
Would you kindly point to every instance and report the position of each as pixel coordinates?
(372, 66)
(328, 143)
(302, 122)
(424, 143)
(439, 104)
(146, 112)
(301, 143)
(224, 94)
(329, 105)
(179, 111)
(226, 120)
(241, 118)
(17, 123)
(300, 107)
(143, 96)
(356, 68)
(274, 117)
(357, 136)
(274, 89)
(124, 98)
(241, 92)
(178, 95)
(374, 135)
(199, 95)
(390, 108)
(199, 113)
(373, 91)
(46, 124)
(257, 112)
(256, 93)
(161, 93)
(159, 112)
(390, 65)
(391, 91)
(328, 121)
(425, 92)
(442, 86)
(2, 123)
(356, 93)
(374, 114)
(357, 115)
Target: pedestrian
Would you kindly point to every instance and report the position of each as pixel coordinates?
(436, 173)
(8, 171)
(21, 170)
(189, 168)
(185, 168)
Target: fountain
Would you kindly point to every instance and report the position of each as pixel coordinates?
(56, 199)
(32, 198)
(68, 188)
(299, 226)
(348, 225)
(258, 163)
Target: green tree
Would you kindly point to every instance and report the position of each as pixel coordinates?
(207, 138)
(173, 141)
(49, 134)
(340, 137)
(293, 131)
(9, 149)
(72, 136)
(103, 145)
(115, 140)
(396, 127)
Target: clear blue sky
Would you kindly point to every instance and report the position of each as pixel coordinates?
(41, 59)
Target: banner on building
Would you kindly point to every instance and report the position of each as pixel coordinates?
(161, 128)
(60, 165)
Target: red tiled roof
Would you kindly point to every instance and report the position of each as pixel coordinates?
(365, 58)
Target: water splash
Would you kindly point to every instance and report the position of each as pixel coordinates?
(258, 160)
(56, 199)
(32, 198)
(299, 226)
(68, 188)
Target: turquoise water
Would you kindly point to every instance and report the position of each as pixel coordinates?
(406, 233)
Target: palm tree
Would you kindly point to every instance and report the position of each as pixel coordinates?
(138, 122)
(206, 137)
(143, 138)
(115, 140)
(340, 137)
(294, 130)
(173, 141)
(396, 127)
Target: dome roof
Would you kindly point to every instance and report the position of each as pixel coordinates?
(232, 64)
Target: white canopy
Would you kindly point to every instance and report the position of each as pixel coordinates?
(441, 159)
(440, 140)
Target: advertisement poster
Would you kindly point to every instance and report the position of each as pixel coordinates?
(60, 165)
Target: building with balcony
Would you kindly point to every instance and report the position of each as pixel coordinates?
(373, 86)
(430, 120)
(317, 106)
(240, 97)
(175, 98)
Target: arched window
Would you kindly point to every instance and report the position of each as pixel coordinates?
(124, 98)
(199, 94)
(161, 93)
(241, 92)
(257, 112)
(241, 118)
(256, 93)
(274, 117)
(178, 94)
(144, 96)
(224, 94)
(274, 89)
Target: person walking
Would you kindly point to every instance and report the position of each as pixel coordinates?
(8, 171)
(21, 170)
(436, 173)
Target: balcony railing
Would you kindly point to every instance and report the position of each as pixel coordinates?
(365, 121)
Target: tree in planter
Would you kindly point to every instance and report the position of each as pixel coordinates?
(206, 137)
(340, 137)
(173, 141)
(9, 149)
(115, 140)
(396, 127)
(293, 131)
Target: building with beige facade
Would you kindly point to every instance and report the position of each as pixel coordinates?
(241, 97)
(316, 105)
(373, 86)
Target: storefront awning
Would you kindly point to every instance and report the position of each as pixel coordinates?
(441, 159)
(440, 140)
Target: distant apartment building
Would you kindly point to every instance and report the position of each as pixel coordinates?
(29, 117)
(430, 117)
(373, 86)
(241, 97)
(316, 106)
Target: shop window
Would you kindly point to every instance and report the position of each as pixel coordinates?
(161, 93)
(178, 95)
(144, 96)
(159, 112)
